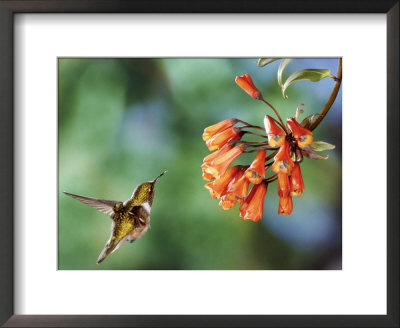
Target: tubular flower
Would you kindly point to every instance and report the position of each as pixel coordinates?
(285, 205)
(228, 199)
(227, 202)
(214, 155)
(282, 160)
(246, 83)
(243, 207)
(212, 130)
(208, 174)
(238, 189)
(276, 136)
(296, 181)
(256, 172)
(283, 185)
(221, 138)
(218, 187)
(220, 164)
(254, 210)
(303, 136)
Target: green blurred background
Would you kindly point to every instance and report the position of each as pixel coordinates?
(124, 121)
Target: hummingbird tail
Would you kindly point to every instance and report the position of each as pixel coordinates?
(110, 247)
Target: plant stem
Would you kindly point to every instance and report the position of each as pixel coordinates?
(331, 99)
(254, 134)
(271, 155)
(276, 113)
(271, 178)
(247, 125)
(255, 127)
(258, 143)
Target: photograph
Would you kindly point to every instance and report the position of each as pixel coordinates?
(199, 163)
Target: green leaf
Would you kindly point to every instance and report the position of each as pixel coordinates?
(281, 68)
(321, 146)
(313, 75)
(265, 61)
(309, 120)
(308, 152)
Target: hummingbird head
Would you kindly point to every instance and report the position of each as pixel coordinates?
(146, 190)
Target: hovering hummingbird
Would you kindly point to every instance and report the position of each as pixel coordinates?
(130, 219)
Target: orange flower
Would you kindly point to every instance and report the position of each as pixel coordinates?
(218, 187)
(228, 199)
(303, 136)
(246, 83)
(285, 205)
(221, 138)
(238, 188)
(209, 158)
(243, 207)
(296, 181)
(253, 210)
(220, 164)
(256, 172)
(210, 131)
(227, 202)
(283, 163)
(283, 185)
(206, 175)
(276, 136)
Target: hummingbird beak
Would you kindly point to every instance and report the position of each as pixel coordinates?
(155, 180)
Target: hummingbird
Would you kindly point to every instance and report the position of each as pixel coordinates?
(130, 219)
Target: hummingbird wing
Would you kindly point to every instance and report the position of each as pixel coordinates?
(103, 205)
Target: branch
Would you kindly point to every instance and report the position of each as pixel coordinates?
(331, 99)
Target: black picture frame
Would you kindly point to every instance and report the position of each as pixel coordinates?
(8, 200)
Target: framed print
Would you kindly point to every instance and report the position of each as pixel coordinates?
(248, 134)
(155, 110)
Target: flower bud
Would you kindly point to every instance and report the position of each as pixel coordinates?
(246, 83)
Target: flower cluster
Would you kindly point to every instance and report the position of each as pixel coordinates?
(286, 161)
(286, 144)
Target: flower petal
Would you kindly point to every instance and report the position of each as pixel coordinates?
(296, 181)
(218, 187)
(256, 172)
(303, 136)
(276, 136)
(285, 205)
(283, 161)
